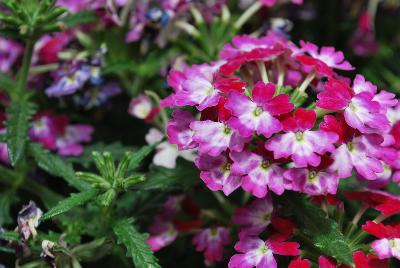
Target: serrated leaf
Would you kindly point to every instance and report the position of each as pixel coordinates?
(82, 17)
(69, 203)
(183, 176)
(322, 231)
(6, 83)
(19, 115)
(135, 243)
(56, 166)
(138, 156)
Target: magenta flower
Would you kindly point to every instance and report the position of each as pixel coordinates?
(196, 87)
(162, 234)
(257, 114)
(299, 142)
(328, 55)
(216, 173)
(216, 137)
(179, 131)
(255, 217)
(389, 243)
(258, 253)
(360, 110)
(9, 53)
(353, 152)
(270, 3)
(259, 173)
(311, 181)
(212, 242)
(69, 143)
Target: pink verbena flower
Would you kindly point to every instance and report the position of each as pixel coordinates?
(216, 173)
(312, 181)
(254, 217)
(388, 245)
(179, 131)
(257, 114)
(9, 53)
(215, 137)
(353, 151)
(195, 86)
(162, 234)
(328, 55)
(212, 242)
(69, 143)
(360, 110)
(270, 3)
(259, 173)
(299, 142)
(258, 253)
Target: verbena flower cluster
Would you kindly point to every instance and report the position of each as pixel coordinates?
(271, 116)
(178, 133)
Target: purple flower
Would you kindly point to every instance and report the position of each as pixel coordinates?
(162, 234)
(70, 142)
(98, 96)
(179, 131)
(68, 84)
(260, 254)
(328, 55)
(259, 173)
(9, 53)
(312, 182)
(255, 217)
(256, 114)
(212, 242)
(217, 174)
(360, 110)
(28, 220)
(299, 142)
(216, 137)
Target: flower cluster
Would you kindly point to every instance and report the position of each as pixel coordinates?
(54, 132)
(275, 117)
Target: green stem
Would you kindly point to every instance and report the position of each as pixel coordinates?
(24, 71)
(263, 71)
(225, 204)
(307, 81)
(248, 14)
(163, 113)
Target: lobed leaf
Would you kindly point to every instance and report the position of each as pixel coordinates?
(322, 231)
(56, 166)
(19, 115)
(69, 203)
(135, 243)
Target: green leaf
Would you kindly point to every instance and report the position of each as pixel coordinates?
(56, 166)
(135, 243)
(69, 203)
(183, 176)
(6, 200)
(137, 157)
(6, 83)
(10, 235)
(19, 114)
(82, 17)
(322, 231)
(116, 149)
